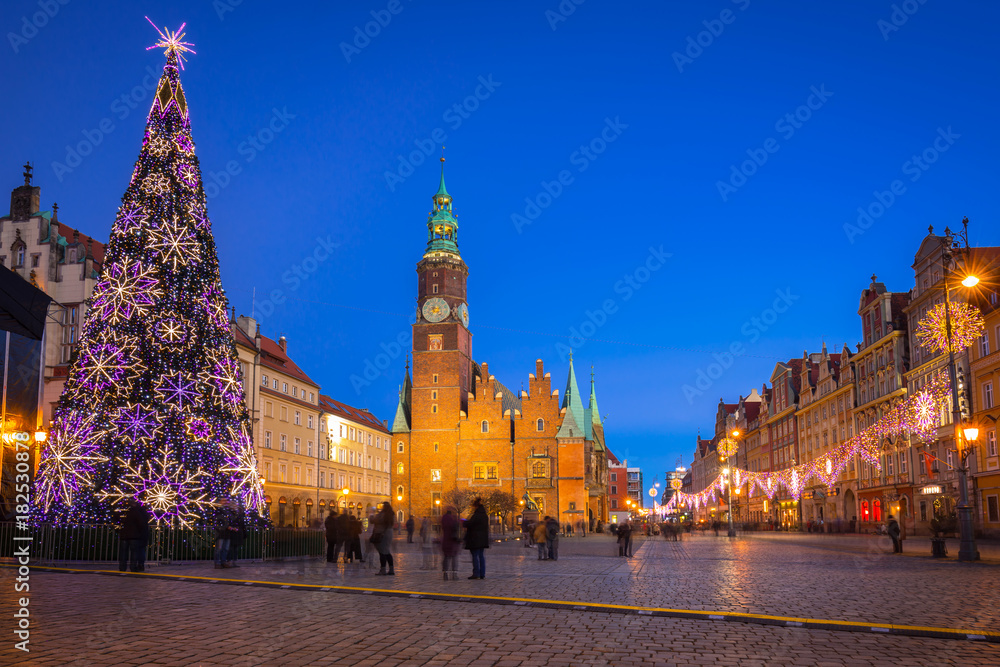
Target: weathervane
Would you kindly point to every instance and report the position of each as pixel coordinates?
(171, 42)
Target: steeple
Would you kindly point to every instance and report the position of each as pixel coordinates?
(595, 414)
(442, 227)
(575, 418)
(401, 423)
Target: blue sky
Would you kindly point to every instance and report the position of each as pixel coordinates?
(622, 124)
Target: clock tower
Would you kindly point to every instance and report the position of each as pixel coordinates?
(442, 343)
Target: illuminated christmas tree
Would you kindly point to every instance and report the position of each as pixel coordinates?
(153, 408)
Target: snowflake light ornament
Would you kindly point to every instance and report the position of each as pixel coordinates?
(165, 487)
(967, 324)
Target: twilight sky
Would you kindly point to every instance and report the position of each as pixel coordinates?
(649, 182)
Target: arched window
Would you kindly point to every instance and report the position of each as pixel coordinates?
(538, 469)
(399, 468)
(540, 425)
(485, 426)
(399, 491)
(877, 509)
(864, 510)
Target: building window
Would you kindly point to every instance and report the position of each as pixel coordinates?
(322, 479)
(267, 439)
(436, 503)
(538, 470)
(434, 395)
(435, 446)
(309, 448)
(283, 471)
(902, 462)
(479, 471)
(267, 470)
(310, 421)
(298, 418)
(484, 426)
(988, 395)
(491, 472)
(614, 490)
(434, 408)
(435, 475)
(399, 447)
(399, 468)
(984, 345)
(298, 446)
(19, 257)
(284, 387)
(434, 378)
(312, 397)
(614, 503)
(949, 460)
(540, 425)
(284, 413)
(268, 409)
(295, 391)
(991, 443)
(284, 442)
(263, 380)
(434, 288)
(274, 383)
(614, 477)
(992, 509)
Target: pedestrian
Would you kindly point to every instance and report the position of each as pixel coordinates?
(451, 540)
(133, 537)
(236, 541)
(628, 541)
(352, 545)
(425, 544)
(332, 536)
(624, 531)
(477, 538)
(552, 538)
(538, 535)
(526, 527)
(894, 532)
(225, 526)
(410, 525)
(382, 538)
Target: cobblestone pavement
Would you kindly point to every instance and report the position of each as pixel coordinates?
(82, 619)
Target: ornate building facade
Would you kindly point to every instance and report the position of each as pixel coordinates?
(457, 426)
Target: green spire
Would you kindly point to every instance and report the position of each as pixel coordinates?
(595, 414)
(401, 423)
(442, 227)
(575, 417)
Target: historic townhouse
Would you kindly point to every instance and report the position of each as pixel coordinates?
(984, 385)
(354, 454)
(457, 426)
(63, 263)
(618, 509)
(704, 471)
(783, 433)
(937, 479)
(879, 367)
(749, 456)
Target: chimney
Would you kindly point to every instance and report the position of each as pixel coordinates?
(538, 369)
(486, 371)
(248, 325)
(283, 344)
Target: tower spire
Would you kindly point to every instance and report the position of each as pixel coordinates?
(442, 227)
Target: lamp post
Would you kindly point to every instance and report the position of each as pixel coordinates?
(344, 492)
(727, 450)
(967, 550)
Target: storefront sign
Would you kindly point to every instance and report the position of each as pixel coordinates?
(932, 490)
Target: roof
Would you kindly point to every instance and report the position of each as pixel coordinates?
(401, 422)
(509, 400)
(272, 356)
(751, 410)
(346, 411)
(576, 415)
(612, 459)
(96, 247)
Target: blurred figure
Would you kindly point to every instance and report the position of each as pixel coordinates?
(552, 538)
(894, 533)
(477, 538)
(451, 540)
(526, 527)
(352, 546)
(539, 533)
(332, 537)
(225, 526)
(236, 540)
(382, 538)
(133, 537)
(425, 544)
(409, 530)
(624, 534)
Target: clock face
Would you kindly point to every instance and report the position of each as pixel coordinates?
(436, 309)
(463, 313)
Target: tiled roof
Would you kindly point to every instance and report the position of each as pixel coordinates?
(612, 459)
(96, 247)
(272, 356)
(352, 413)
(751, 410)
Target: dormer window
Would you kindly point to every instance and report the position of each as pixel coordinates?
(71, 259)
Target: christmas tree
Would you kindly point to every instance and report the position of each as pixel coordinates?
(153, 408)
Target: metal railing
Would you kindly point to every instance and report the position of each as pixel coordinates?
(101, 543)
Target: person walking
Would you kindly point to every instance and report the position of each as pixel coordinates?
(410, 525)
(343, 536)
(133, 537)
(894, 532)
(552, 538)
(382, 538)
(477, 538)
(451, 541)
(225, 526)
(624, 533)
(538, 535)
(526, 533)
(352, 543)
(332, 536)
(425, 544)
(236, 540)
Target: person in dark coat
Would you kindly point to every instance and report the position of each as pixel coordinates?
(225, 526)
(343, 536)
(477, 538)
(332, 536)
(410, 525)
(133, 538)
(451, 542)
(552, 538)
(385, 520)
(624, 535)
(352, 549)
(236, 541)
(894, 533)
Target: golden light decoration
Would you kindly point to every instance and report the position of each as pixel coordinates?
(967, 325)
(728, 447)
(676, 484)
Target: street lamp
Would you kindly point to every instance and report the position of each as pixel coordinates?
(727, 450)
(967, 550)
(344, 492)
